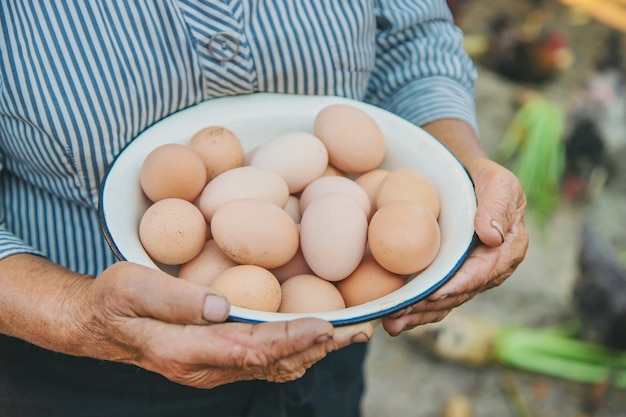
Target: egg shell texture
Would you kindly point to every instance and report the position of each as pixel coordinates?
(368, 282)
(249, 286)
(255, 232)
(299, 157)
(207, 265)
(296, 266)
(333, 171)
(172, 231)
(404, 237)
(307, 293)
(408, 184)
(335, 184)
(243, 182)
(370, 181)
(172, 171)
(219, 149)
(333, 235)
(354, 140)
(292, 207)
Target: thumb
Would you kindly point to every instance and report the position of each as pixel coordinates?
(500, 200)
(354, 333)
(153, 293)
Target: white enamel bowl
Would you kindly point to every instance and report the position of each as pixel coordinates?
(257, 118)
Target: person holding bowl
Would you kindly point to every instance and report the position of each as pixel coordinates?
(84, 335)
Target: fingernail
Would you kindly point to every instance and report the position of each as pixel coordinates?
(323, 338)
(496, 225)
(360, 337)
(216, 308)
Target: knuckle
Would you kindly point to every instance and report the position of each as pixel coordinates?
(252, 360)
(124, 285)
(286, 370)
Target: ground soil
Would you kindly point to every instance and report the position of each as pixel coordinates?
(405, 380)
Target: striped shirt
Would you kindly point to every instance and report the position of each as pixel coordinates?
(79, 79)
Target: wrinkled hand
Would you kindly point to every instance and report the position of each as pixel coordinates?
(148, 318)
(499, 224)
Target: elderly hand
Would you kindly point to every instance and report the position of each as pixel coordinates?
(143, 316)
(164, 325)
(499, 224)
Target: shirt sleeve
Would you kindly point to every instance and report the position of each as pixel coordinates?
(422, 72)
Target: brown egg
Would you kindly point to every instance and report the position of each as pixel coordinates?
(207, 265)
(249, 286)
(408, 184)
(404, 237)
(354, 140)
(172, 171)
(368, 282)
(370, 181)
(296, 266)
(219, 149)
(172, 231)
(308, 293)
(255, 232)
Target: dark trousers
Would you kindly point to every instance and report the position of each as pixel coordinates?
(39, 383)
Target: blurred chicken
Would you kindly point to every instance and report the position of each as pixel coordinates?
(588, 165)
(599, 293)
(597, 124)
(526, 53)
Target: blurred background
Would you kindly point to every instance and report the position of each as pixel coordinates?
(551, 341)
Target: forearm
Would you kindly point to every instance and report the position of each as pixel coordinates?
(39, 303)
(459, 137)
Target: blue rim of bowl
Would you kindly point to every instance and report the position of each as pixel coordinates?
(386, 312)
(101, 216)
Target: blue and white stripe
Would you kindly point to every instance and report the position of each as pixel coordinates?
(79, 79)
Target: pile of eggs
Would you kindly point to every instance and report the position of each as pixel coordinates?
(304, 223)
